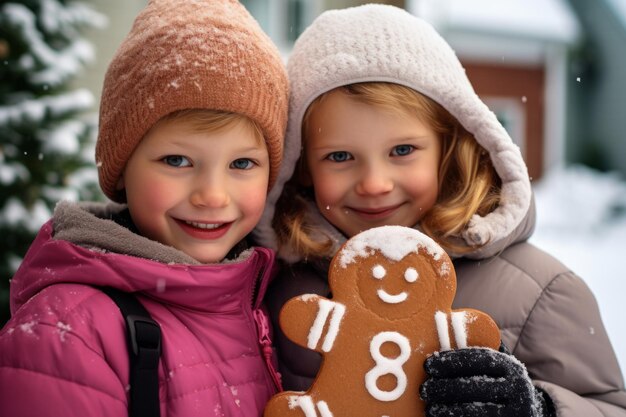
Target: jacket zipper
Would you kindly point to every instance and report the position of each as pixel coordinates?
(263, 331)
(266, 345)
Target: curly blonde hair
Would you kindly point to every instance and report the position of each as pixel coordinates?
(468, 183)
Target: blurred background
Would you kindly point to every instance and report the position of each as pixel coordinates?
(552, 70)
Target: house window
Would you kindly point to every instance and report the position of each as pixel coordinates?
(260, 10)
(296, 18)
(284, 20)
(516, 95)
(511, 112)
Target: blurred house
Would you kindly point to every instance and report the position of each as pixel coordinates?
(550, 69)
(515, 53)
(597, 122)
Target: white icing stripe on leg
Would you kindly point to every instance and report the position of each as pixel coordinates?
(441, 320)
(318, 325)
(333, 327)
(459, 319)
(324, 410)
(305, 402)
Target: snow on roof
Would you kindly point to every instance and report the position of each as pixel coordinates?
(516, 30)
(619, 7)
(546, 20)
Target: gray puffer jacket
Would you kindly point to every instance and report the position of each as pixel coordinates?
(547, 315)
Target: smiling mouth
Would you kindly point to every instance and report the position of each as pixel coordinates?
(392, 298)
(375, 213)
(202, 230)
(204, 225)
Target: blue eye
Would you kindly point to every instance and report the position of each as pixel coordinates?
(177, 161)
(340, 156)
(242, 163)
(402, 150)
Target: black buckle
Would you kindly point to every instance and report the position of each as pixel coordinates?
(145, 339)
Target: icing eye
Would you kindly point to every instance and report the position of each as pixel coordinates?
(379, 272)
(410, 275)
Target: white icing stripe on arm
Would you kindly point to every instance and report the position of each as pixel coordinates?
(333, 327)
(441, 320)
(326, 307)
(318, 325)
(459, 319)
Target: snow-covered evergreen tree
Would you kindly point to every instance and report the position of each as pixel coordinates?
(46, 138)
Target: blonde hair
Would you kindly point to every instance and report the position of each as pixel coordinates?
(204, 120)
(468, 183)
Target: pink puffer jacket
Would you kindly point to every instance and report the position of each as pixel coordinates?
(64, 353)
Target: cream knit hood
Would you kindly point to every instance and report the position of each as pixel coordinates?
(384, 43)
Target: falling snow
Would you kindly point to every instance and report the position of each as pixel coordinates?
(27, 327)
(63, 328)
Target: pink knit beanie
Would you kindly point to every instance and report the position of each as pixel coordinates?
(189, 54)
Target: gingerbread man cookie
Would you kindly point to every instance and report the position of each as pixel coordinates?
(392, 295)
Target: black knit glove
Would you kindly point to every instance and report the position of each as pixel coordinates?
(481, 382)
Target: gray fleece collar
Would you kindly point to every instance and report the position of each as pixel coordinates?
(89, 225)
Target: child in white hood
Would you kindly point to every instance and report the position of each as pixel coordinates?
(385, 129)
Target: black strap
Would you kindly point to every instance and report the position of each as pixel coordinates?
(143, 335)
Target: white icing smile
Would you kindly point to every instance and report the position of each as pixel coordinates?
(392, 298)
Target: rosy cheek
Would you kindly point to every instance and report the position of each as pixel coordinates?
(324, 199)
(426, 191)
(424, 180)
(158, 197)
(157, 190)
(255, 202)
(327, 188)
(152, 193)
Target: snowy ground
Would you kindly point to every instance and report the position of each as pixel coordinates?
(581, 220)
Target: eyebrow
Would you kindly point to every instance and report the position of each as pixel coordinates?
(397, 140)
(251, 148)
(410, 138)
(259, 148)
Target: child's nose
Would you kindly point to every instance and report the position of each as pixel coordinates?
(209, 193)
(374, 182)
